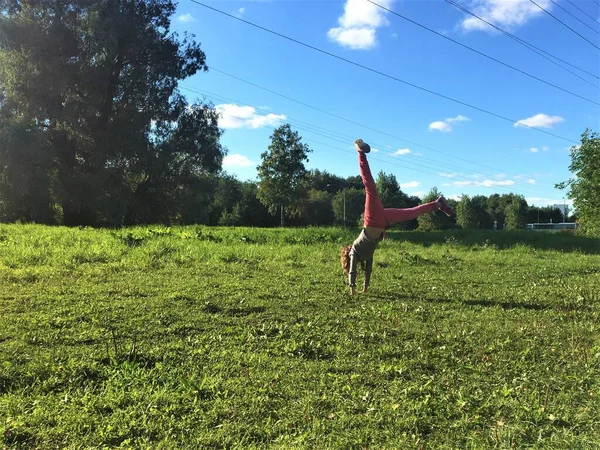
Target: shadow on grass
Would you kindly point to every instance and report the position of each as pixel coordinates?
(390, 297)
(506, 305)
(561, 241)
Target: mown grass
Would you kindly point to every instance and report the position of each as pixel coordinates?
(246, 338)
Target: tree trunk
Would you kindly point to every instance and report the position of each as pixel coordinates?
(282, 216)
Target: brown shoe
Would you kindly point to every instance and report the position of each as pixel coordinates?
(361, 146)
(444, 206)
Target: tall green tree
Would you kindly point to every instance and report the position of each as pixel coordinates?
(252, 211)
(466, 213)
(389, 191)
(318, 209)
(282, 172)
(227, 193)
(584, 189)
(354, 200)
(516, 213)
(96, 83)
(436, 220)
(472, 212)
(322, 180)
(483, 218)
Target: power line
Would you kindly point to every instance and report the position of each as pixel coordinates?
(530, 46)
(358, 124)
(383, 74)
(328, 136)
(595, 20)
(484, 54)
(558, 20)
(575, 17)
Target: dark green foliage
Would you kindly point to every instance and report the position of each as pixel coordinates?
(585, 188)
(282, 173)
(436, 220)
(91, 121)
(516, 214)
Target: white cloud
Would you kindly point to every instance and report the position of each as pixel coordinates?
(410, 184)
(445, 126)
(237, 160)
(418, 193)
(458, 118)
(235, 116)
(500, 176)
(545, 148)
(484, 183)
(240, 12)
(440, 126)
(540, 121)
(374, 150)
(402, 152)
(186, 18)
(507, 14)
(531, 181)
(354, 38)
(359, 23)
(534, 149)
(447, 175)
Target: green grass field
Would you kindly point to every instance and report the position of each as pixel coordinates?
(200, 337)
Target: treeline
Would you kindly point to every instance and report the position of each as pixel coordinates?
(94, 131)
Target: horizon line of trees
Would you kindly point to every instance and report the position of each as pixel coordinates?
(94, 131)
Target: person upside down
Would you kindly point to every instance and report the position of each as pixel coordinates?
(376, 219)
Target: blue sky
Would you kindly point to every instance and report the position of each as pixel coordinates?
(456, 148)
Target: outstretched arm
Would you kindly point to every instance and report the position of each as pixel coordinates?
(368, 269)
(352, 273)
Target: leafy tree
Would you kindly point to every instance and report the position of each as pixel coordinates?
(466, 213)
(227, 193)
(252, 211)
(355, 206)
(435, 220)
(282, 172)
(318, 209)
(516, 213)
(472, 212)
(389, 191)
(495, 211)
(483, 218)
(497, 206)
(96, 83)
(196, 200)
(584, 189)
(546, 214)
(354, 181)
(25, 177)
(321, 180)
